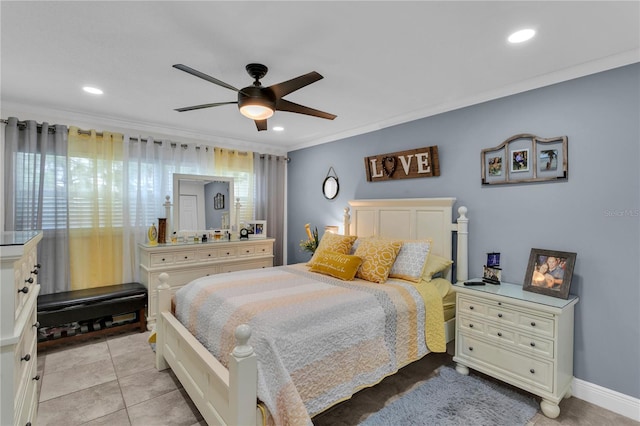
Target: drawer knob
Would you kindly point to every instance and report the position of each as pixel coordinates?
(36, 325)
(499, 315)
(24, 290)
(228, 253)
(471, 308)
(499, 334)
(163, 259)
(34, 272)
(532, 371)
(470, 325)
(28, 424)
(499, 303)
(471, 348)
(27, 357)
(29, 280)
(36, 378)
(37, 266)
(186, 257)
(209, 254)
(533, 324)
(247, 251)
(533, 344)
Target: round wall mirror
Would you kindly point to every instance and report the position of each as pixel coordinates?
(330, 187)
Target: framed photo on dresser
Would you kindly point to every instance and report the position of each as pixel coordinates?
(549, 272)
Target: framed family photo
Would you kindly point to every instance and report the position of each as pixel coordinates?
(257, 229)
(549, 272)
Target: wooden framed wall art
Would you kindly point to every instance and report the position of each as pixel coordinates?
(414, 163)
(525, 158)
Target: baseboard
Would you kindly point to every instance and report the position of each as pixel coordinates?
(617, 402)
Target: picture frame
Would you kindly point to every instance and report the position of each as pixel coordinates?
(218, 201)
(257, 229)
(549, 272)
(525, 158)
(491, 274)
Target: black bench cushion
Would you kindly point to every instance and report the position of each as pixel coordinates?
(78, 305)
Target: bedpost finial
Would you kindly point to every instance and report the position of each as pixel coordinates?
(462, 211)
(164, 280)
(242, 349)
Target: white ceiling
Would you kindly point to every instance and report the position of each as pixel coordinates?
(383, 63)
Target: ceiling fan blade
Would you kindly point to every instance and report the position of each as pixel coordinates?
(204, 76)
(261, 124)
(191, 108)
(284, 105)
(286, 87)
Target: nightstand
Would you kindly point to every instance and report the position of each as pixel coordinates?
(522, 338)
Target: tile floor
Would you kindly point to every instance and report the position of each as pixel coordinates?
(113, 381)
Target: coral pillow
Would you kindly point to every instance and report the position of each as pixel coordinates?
(343, 266)
(333, 242)
(377, 256)
(411, 260)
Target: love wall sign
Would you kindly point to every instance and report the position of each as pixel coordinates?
(414, 163)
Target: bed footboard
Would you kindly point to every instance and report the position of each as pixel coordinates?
(223, 396)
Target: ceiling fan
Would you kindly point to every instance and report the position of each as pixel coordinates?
(257, 102)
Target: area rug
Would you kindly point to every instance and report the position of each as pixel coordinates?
(452, 399)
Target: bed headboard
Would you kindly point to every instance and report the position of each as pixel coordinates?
(414, 219)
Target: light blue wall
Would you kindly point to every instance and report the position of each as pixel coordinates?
(594, 213)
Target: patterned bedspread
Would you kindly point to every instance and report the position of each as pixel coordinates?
(318, 339)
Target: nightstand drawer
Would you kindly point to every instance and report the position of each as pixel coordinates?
(537, 324)
(498, 361)
(471, 324)
(536, 345)
(471, 306)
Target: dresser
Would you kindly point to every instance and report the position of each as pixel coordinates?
(186, 262)
(519, 337)
(19, 290)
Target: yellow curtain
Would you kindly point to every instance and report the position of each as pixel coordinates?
(95, 208)
(239, 166)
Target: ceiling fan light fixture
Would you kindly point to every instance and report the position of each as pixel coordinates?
(256, 111)
(522, 35)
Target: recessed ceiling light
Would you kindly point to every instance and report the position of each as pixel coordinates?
(278, 129)
(522, 35)
(92, 90)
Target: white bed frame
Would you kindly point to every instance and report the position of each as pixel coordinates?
(228, 396)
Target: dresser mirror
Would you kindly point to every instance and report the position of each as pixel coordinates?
(194, 202)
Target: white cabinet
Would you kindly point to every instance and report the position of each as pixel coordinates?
(19, 290)
(519, 337)
(186, 262)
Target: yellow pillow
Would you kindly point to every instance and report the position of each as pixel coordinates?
(343, 266)
(333, 242)
(377, 256)
(434, 265)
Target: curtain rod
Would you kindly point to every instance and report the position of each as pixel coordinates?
(52, 130)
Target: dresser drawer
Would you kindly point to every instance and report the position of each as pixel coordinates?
(536, 345)
(27, 405)
(264, 249)
(227, 252)
(246, 250)
(25, 358)
(160, 259)
(25, 279)
(206, 254)
(185, 256)
(499, 361)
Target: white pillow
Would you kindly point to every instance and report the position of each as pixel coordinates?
(411, 260)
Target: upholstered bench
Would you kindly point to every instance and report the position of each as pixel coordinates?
(67, 307)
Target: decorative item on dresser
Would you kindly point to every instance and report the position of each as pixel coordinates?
(19, 290)
(186, 262)
(522, 338)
